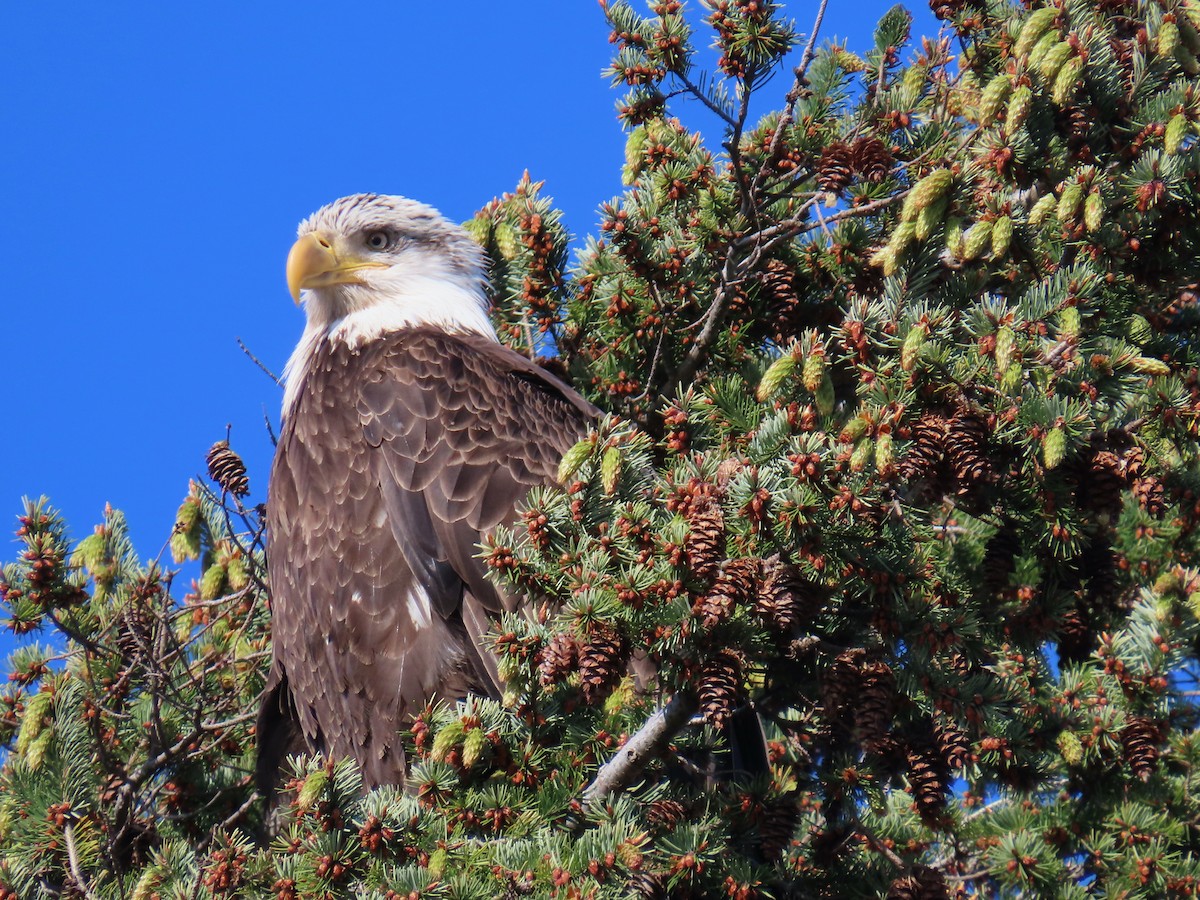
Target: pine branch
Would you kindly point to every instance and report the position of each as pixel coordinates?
(647, 744)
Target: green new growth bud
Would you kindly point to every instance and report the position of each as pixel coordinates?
(1066, 82)
(473, 745)
(1139, 330)
(1093, 211)
(635, 146)
(864, 451)
(447, 739)
(1042, 210)
(313, 787)
(825, 397)
(854, 430)
(574, 458)
(1177, 130)
(1144, 365)
(38, 749)
(1048, 42)
(480, 229)
(1187, 60)
(1054, 446)
(813, 373)
(212, 582)
(885, 259)
(1069, 322)
(1002, 232)
(777, 373)
(185, 536)
(610, 469)
(437, 862)
(992, 100)
(237, 573)
(148, 885)
(925, 192)
(37, 708)
(954, 236)
(885, 457)
(1054, 60)
(1167, 41)
(1036, 25)
(848, 61)
(977, 240)
(902, 238)
(929, 218)
(1069, 202)
(911, 349)
(89, 553)
(1005, 341)
(1010, 381)
(1071, 748)
(506, 240)
(1018, 109)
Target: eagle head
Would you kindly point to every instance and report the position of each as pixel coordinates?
(370, 263)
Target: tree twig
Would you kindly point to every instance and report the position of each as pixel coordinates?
(73, 860)
(258, 362)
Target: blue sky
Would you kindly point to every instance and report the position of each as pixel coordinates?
(157, 157)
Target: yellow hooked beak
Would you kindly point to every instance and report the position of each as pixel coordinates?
(314, 261)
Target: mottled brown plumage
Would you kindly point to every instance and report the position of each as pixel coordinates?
(403, 442)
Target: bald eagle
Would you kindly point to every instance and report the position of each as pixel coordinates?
(409, 431)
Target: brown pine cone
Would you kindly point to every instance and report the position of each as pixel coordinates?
(836, 168)
(872, 159)
(787, 313)
(929, 781)
(779, 819)
(601, 663)
(1076, 640)
(923, 884)
(559, 658)
(927, 449)
(665, 813)
(705, 543)
(842, 682)
(875, 704)
(1140, 739)
(966, 449)
(1101, 484)
(720, 686)
(952, 742)
(787, 599)
(1149, 493)
(648, 886)
(999, 558)
(227, 469)
(736, 584)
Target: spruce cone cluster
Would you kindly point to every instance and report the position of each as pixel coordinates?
(1146, 487)
(923, 884)
(601, 664)
(720, 687)
(1140, 740)
(949, 454)
(735, 585)
(227, 469)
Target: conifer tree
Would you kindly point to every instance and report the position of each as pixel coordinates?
(901, 455)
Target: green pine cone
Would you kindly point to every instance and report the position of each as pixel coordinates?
(977, 240)
(1054, 447)
(1069, 202)
(1177, 130)
(993, 97)
(1042, 210)
(911, 349)
(314, 786)
(1002, 232)
(1093, 211)
(1167, 41)
(927, 191)
(610, 469)
(1066, 83)
(1036, 25)
(1018, 108)
(777, 373)
(813, 373)
(1054, 60)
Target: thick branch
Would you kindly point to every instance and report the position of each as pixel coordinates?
(648, 744)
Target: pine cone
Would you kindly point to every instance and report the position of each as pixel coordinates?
(1140, 740)
(1075, 637)
(1149, 493)
(927, 449)
(779, 819)
(966, 448)
(559, 658)
(665, 814)
(842, 682)
(736, 584)
(952, 742)
(923, 884)
(999, 558)
(929, 781)
(648, 886)
(1101, 484)
(875, 704)
(872, 159)
(787, 599)
(705, 544)
(948, 10)
(601, 664)
(836, 168)
(786, 312)
(720, 686)
(227, 469)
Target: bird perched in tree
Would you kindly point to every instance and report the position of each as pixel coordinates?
(408, 432)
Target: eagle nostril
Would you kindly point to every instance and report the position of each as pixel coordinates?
(324, 242)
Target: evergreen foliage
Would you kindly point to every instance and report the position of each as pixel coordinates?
(904, 387)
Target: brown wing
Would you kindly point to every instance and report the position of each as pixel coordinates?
(391, 464)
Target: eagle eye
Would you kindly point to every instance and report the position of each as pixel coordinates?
(378, 240)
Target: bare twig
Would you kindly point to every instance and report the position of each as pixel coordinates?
(648, 744)
(258, 362)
